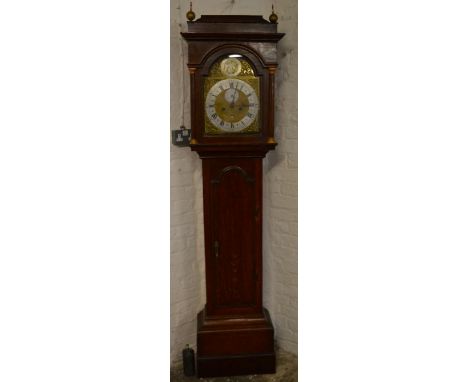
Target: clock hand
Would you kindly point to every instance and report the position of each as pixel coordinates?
(232, 99)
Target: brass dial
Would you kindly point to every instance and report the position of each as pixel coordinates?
(231, 105)
(232, 97)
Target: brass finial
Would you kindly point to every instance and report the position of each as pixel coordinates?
(190, 14)
(273, 16)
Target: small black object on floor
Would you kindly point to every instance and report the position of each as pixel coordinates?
(188, 359)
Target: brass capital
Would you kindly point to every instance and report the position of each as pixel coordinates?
(272, 69)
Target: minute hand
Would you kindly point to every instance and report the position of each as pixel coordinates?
(233, 98)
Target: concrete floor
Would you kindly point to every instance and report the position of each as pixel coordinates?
(286, 371)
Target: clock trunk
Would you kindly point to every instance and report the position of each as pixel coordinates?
(233, 231)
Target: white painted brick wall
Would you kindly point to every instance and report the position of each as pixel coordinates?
(280, 180)
(187, 262)
(280, 197)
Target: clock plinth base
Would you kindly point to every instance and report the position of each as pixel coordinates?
(236, 365)
(235, 346)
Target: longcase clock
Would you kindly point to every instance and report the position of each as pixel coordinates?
(232, 62)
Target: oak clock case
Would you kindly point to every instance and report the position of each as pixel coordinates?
(232, 62)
